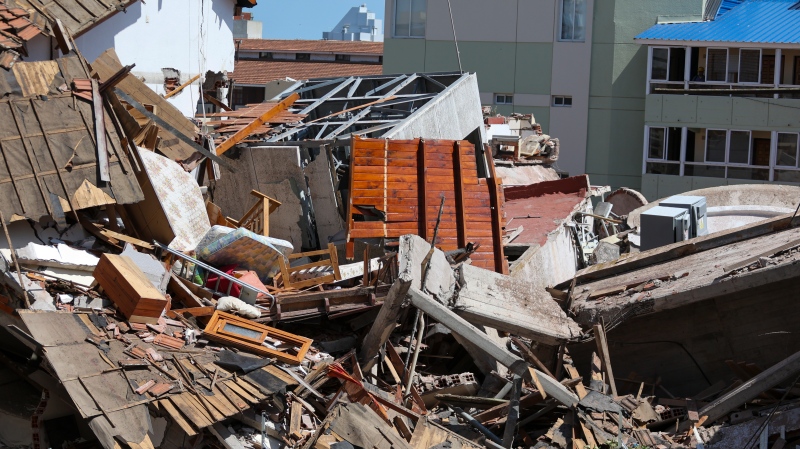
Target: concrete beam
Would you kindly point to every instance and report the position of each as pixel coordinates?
(460, 326)
(513, 305)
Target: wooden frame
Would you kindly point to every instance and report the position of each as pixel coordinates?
(333, 261)
(214, 331)
(257, 218)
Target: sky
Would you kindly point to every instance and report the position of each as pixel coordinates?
(306, 19)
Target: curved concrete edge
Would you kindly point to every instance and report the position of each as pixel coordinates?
(767, 197)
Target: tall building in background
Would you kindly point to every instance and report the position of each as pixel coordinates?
(572, 63)
(358, 24)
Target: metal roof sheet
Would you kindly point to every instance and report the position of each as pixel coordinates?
(752, 21)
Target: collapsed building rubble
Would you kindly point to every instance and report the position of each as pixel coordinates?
(345, 266)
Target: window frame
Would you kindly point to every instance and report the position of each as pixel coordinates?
(663, 157)
(749, 162)
(505, 98)
(796, 152)
(410, 21)
(760, 62)
(666, 73)
(727, 63)
(724, 150)
(561, 22)
(563, 101)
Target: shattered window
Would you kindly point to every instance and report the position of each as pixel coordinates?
(573, 20)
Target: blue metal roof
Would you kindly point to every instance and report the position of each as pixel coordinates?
(751, 21)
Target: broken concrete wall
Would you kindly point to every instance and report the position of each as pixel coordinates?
(278, 173)
(324, 197)
(550, 264)
(693, 342)
(437, 120)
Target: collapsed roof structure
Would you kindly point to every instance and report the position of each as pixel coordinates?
(343, 265)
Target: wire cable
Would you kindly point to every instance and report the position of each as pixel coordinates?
(455, 39)
(771, 413)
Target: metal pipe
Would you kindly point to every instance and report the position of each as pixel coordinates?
(503, 391)
(474, 422)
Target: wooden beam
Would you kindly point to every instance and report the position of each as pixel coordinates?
(500, 264)
(100, 132)
(458, 179)
(247, 130)
(161, 123)
(62, 38)
(182, 86)
(216, 102)
(530, 357)
(384, 324)
(749, 390)
(602, 349)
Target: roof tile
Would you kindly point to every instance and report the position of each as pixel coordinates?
(310, 46)
(262, 72)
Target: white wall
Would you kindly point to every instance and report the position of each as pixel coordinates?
(190, 36)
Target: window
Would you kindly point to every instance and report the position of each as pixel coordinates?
(716, 64)
(787, 150)
(660, 64)
(560, 100)
(750, 66)
(409, 18)
(503, 99)
(656, 143)
(342, 57)
(664, 144)
(265, 55)
(667, 64)
(716, 140)
(739, 147)
(302, 56)
(573, 20)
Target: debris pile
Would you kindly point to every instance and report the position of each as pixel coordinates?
(213, 282)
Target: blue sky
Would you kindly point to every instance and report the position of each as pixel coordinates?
(306, 19)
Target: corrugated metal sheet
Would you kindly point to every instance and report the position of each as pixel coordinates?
(752, 21)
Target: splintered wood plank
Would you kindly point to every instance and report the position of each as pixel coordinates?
(198, 418)
(177, 417)
(241, 392)
(295, 420)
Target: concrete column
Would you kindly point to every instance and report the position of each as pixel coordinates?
(644, 149)
(649, 69)
(773, 154)
(687, 75)
(778, 70)
(684, 136)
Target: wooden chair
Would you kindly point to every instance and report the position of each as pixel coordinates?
(257, 218)
(332, 261)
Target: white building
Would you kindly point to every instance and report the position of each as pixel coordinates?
(173, 39)
(357, 25)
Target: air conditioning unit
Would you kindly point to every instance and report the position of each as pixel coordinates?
(696, 205)
(663, 225)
